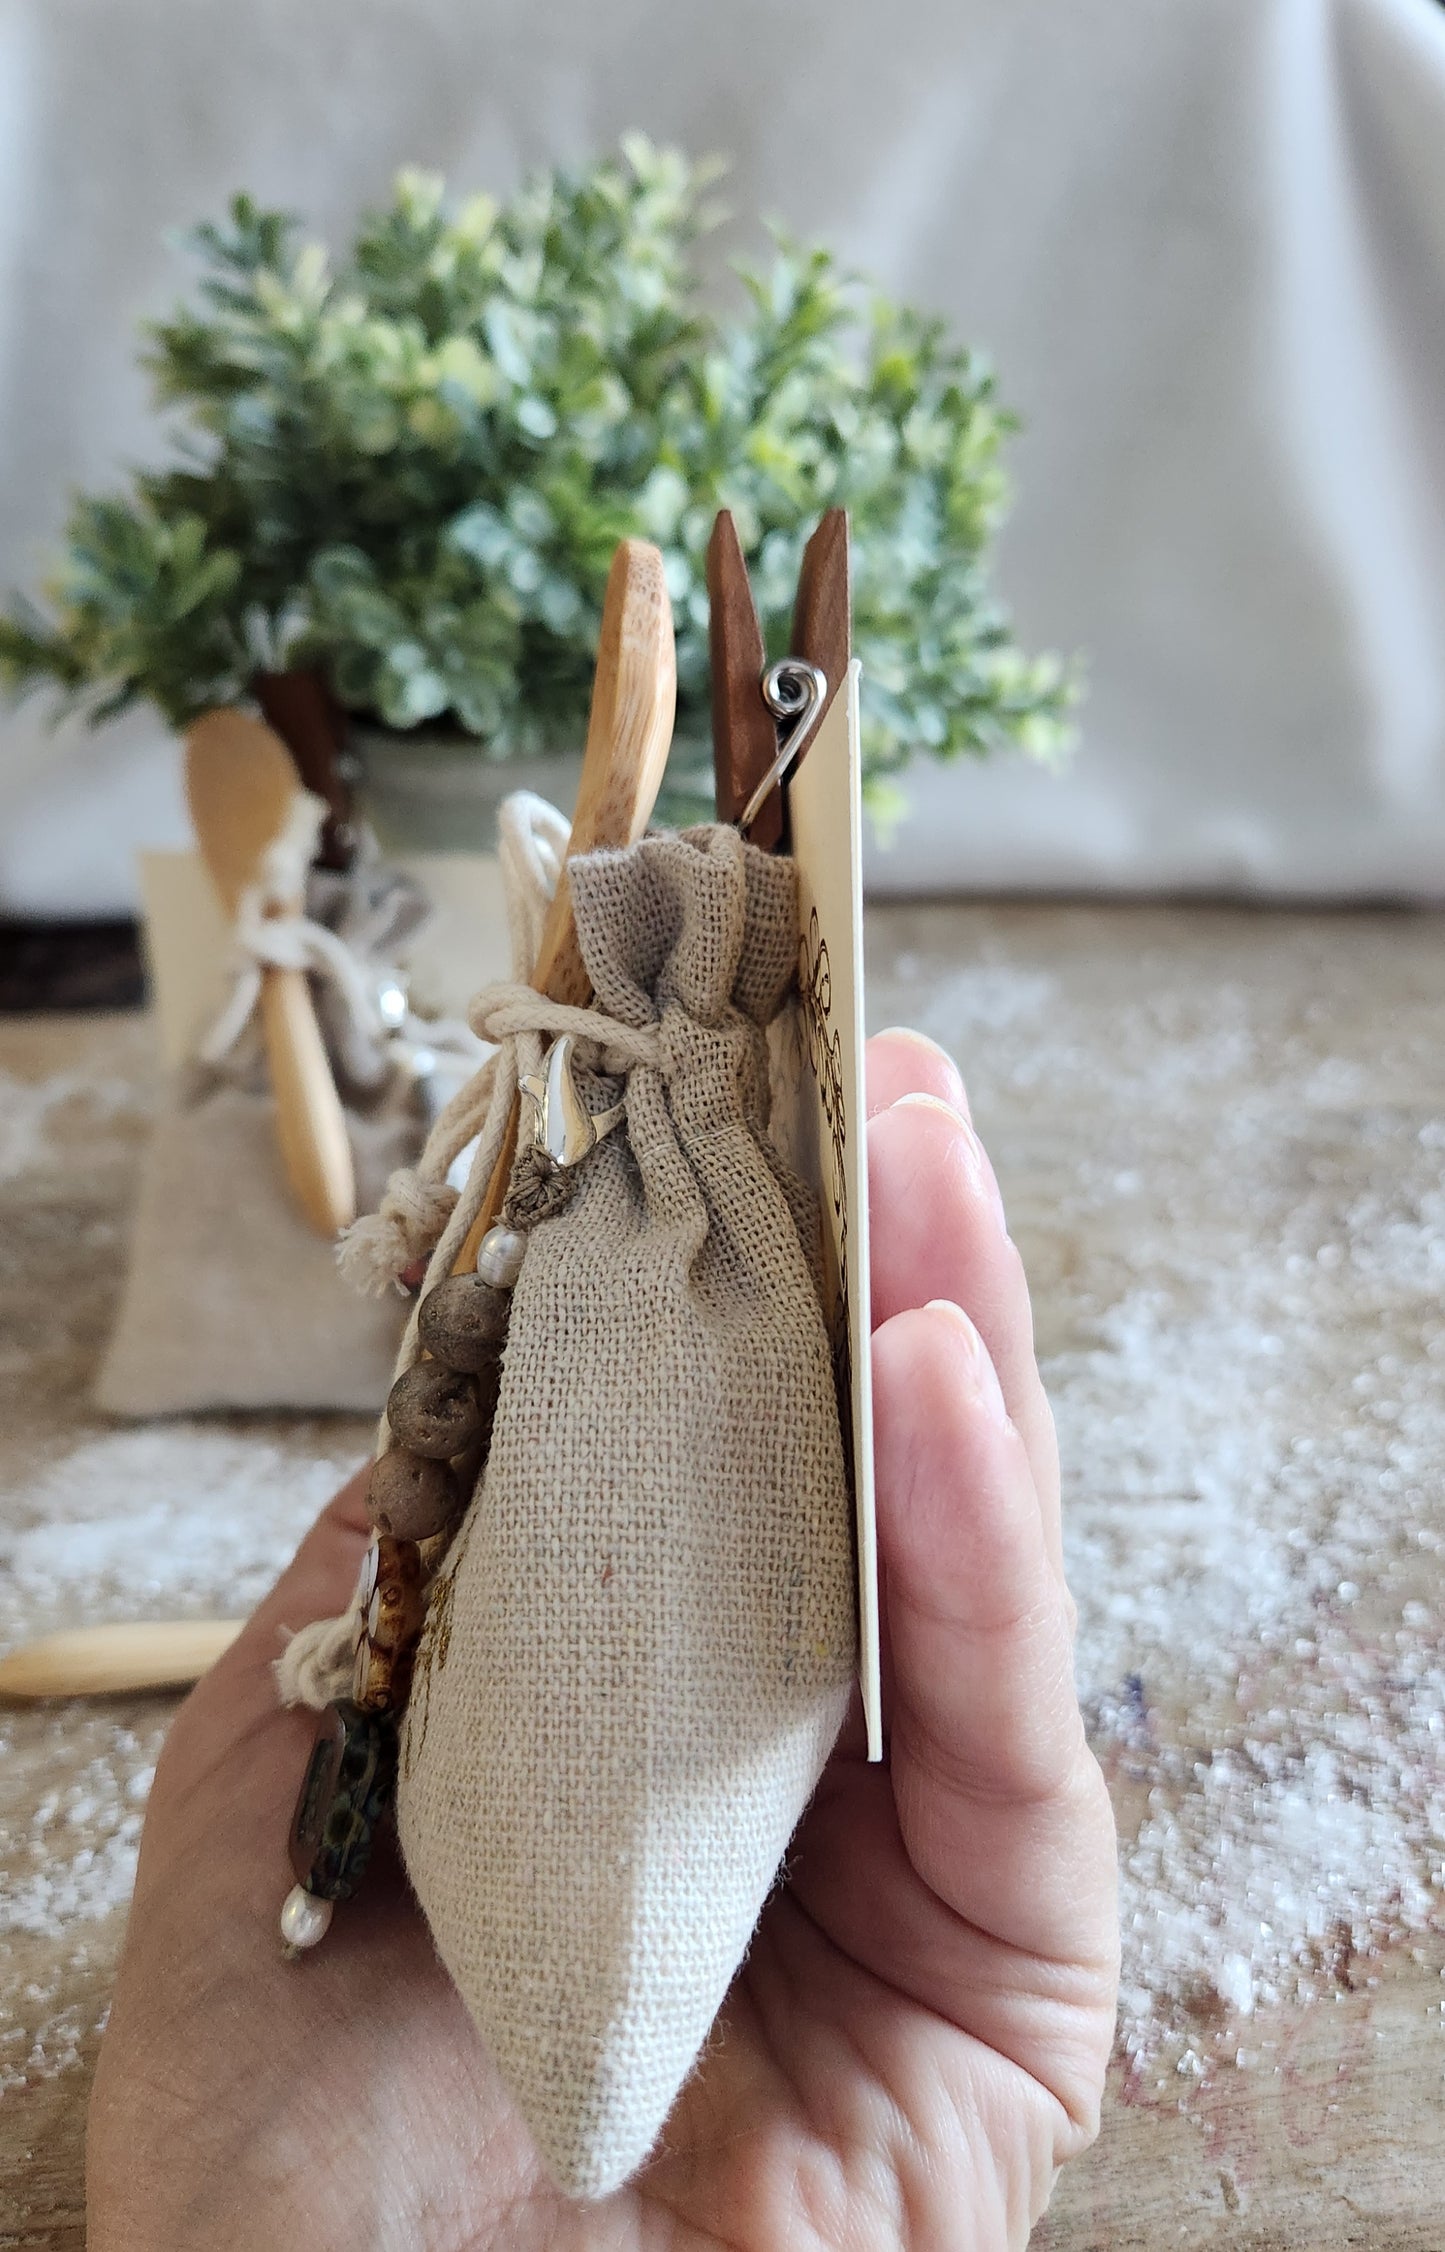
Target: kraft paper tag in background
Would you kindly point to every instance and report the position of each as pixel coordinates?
(187, 941)
(825, 802)
(187, 950)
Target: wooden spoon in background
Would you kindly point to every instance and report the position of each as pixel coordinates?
(629, 734)
(241, 786)
(112, 1661)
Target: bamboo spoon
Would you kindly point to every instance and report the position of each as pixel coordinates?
(629, 734)
(108, 1661)
(241, 786)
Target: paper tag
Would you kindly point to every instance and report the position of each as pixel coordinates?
(188, 944)
(825, 801)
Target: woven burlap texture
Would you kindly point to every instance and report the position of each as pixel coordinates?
(640, 1652)
(230, 1299)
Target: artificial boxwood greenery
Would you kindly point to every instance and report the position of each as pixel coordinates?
(410, 471)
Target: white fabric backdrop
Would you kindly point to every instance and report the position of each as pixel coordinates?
(1205, 240)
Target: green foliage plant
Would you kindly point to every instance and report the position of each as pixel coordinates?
(409, 471)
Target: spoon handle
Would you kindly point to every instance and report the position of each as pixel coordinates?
(109, 1661)
(629, 733)
(310, 1122)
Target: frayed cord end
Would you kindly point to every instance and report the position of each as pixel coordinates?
(376, 1250)
(316, 1666)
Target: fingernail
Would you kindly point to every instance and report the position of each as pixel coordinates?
(958, 1093)
(976, 1157)
(987, 1389)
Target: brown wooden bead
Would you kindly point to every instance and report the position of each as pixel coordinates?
(435, 1411)
(463, 1321)
(410, 1496)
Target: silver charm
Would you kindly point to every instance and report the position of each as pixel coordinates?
(564, 1130)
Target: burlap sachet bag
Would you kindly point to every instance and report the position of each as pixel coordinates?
(639, 1653)
(230, 1300)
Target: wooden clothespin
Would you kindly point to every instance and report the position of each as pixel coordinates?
(750, 698)
(765, 718)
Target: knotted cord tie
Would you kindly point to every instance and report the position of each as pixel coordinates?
(271, 932)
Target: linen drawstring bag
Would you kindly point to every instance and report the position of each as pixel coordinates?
(640, 1647)
(230, 1300)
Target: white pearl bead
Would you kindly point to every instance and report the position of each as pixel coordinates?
(304, 1918)
(499, 1257)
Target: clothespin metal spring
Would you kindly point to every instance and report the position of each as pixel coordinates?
(793, 689)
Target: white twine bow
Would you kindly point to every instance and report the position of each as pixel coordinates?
(270, 931)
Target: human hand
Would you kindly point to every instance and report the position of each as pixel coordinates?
(919, 2034)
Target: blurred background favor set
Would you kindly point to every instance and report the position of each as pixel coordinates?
(300, 1078)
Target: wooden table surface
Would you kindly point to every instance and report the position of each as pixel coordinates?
(1328, 2134)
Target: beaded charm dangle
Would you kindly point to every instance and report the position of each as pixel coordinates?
(440, 1415)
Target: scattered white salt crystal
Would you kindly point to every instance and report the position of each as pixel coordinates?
(1234, 1982)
